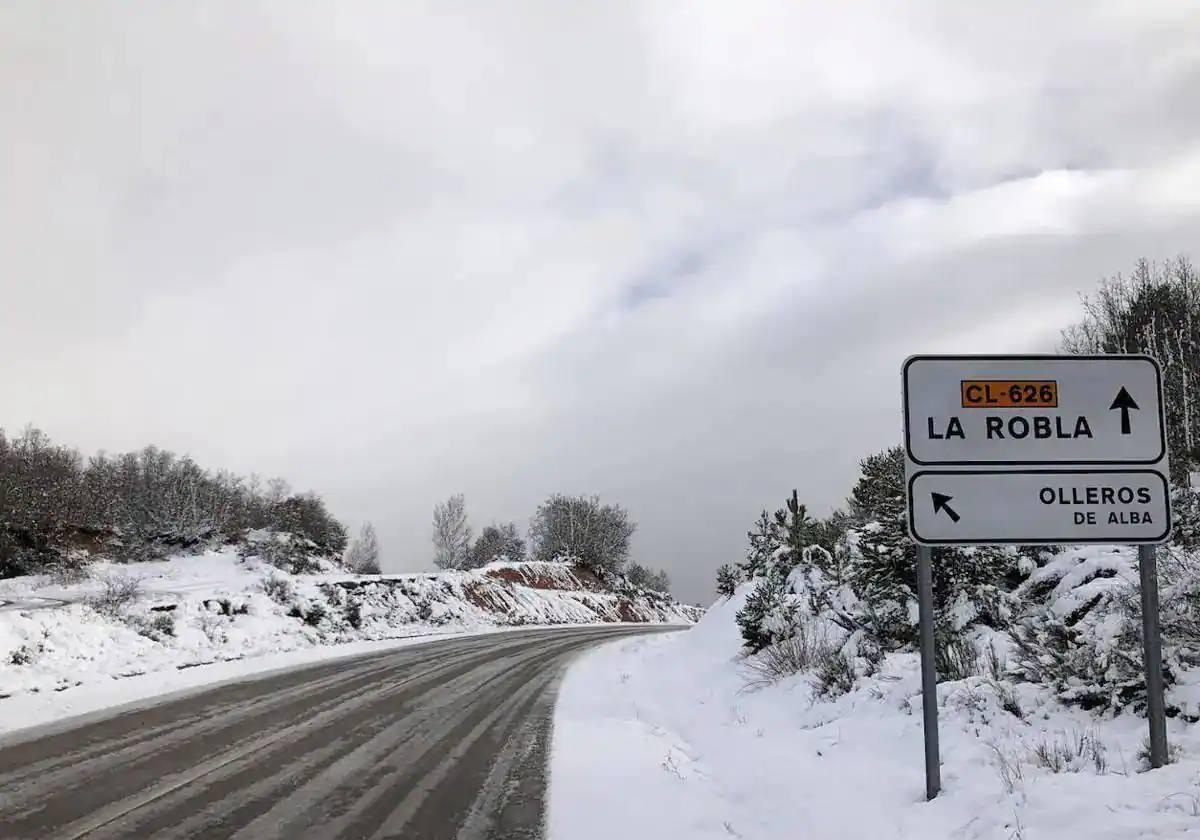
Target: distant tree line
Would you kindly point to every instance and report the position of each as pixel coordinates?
(136, 506)
(578, 529)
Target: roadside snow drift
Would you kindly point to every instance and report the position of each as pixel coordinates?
(659, 737)
(187, 611)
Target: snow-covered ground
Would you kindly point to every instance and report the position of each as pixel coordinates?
(57, 641)
(659, 737)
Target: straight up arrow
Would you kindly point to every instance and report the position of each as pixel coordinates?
(1124, 402)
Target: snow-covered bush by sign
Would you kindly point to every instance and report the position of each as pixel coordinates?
(1179, 596)
(955, 655)
(1072, 752)
(835, 675)
(812, 643)
(1083, 668)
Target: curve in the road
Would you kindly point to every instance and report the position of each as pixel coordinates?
(444, 740)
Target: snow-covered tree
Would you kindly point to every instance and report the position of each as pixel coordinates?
(1156, 311)
(580, 528)
(646, 578)
(758, 617)
(451, 534)
(727, 580)
(363, 555)
(765, 540)
(497, 542)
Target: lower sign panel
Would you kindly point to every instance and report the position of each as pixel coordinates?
(1039, 506)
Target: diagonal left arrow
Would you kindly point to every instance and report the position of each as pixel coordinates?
(942, 502)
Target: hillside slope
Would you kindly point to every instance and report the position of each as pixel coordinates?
(188, 611)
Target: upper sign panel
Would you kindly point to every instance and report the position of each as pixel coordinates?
(1033, 410)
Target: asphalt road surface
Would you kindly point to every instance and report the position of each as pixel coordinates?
(444, 740)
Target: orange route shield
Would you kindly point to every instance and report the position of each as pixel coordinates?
(1006, 393)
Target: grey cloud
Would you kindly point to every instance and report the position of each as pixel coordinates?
(672, 254)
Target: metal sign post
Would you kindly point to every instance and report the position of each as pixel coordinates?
(933, 768)
(1152, 655)
(1036, 449)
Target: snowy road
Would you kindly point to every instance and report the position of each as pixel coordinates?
(443, 740)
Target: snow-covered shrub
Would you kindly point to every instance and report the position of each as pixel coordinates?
(278, 588)
(212, 625)
(1179, 602)
(1071, 752)
(954, 654)
(1185, 517)
(1006, 696)
(158, 626)
(1081, 665)
(354, 613)
(1008, 767)
(163, 623)
(1143, 754)
(118, 590)
(25, 654)
(809, 645)
(835, 674)
(311, 614)
(285, 551)
(70, 569)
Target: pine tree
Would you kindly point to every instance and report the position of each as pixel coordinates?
(883, 570)
(797, 532)
(752, 617)
(887, 564)
(764, 542)
(727, 581)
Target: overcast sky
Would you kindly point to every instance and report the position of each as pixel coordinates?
(669, 253)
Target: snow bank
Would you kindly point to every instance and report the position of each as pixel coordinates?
(658, 737)
(217, 607)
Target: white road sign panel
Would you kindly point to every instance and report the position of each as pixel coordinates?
(1039, 506)
(1033, 410)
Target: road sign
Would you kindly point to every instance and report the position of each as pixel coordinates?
(1039, 506)
(973, 411)
(1036, 449)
